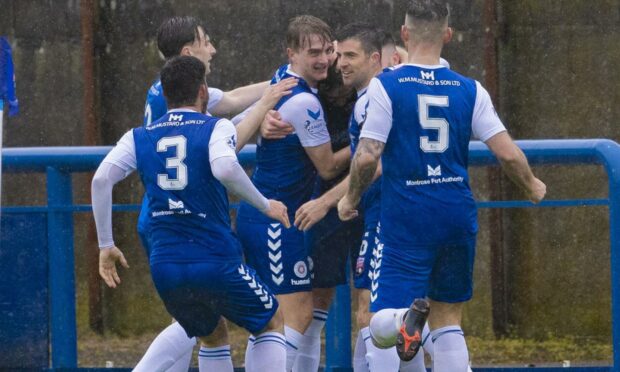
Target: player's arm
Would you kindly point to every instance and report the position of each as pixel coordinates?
(237, 100)
(305, 114)
(314, 210)
(116, 166)
(255, 115)
(488, 128)
(226, 169)
(273, 127)
(368, 153)
(363, 169)
(328, 164)
(515, 164)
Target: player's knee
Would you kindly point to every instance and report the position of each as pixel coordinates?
(276, 323)
(383, 328)
(322, 298)
(219, 336)
(221, 331)
(302, 318)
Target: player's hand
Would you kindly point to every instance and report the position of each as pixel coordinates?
(273, 127)
(274, 92)
(310, 213)
(346, 209)
(277, 211)
(537, 191)
(107, 265)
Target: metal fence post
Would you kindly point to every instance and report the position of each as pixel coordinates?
(61, 270)
(610, 152)
(338, 332)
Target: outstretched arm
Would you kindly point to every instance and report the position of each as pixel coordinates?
(252, 121)
(237, 100)
(363, 169)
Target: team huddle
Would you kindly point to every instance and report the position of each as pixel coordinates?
(361, 157)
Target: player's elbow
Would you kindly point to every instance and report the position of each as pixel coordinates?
(364, 161)
(226, 170)
(99, 182)
(509, 155)
(223, 174)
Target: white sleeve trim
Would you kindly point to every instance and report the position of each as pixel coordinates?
(485, 122)
(305, 113)
(223, 140)
(379, 114)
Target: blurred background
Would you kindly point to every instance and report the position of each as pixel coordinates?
(552, 68)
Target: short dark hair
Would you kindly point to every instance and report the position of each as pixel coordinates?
(181, 78)
(369, 36)
(387, 38)
(428, 10)
(174, 33)
(302, 27)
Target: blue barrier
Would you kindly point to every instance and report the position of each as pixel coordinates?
(59, 162)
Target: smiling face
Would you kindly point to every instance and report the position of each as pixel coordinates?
(356, 66)
(312, 58)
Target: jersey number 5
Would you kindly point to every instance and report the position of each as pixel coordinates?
(439, 124)
(175, 162)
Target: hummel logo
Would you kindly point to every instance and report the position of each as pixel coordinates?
(428, 75)
(173, 204)
(232, 142)
(174, 117)
(314, 115)
(433, 171)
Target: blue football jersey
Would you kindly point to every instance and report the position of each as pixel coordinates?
(187, 206)
(371, 199)
(155, 106)
(283, 169)
(425, 193)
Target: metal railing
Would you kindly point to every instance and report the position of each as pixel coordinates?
(58, 163)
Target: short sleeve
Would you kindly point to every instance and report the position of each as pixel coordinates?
(215, 97)
(485, 122)
(379, 114)
(123, 155)
(305, 113)
(223, 140)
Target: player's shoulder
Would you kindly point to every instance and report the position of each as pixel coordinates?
(304, 98)
(362, 103)
(222, 123)
(156, 89)
(360, 108)
(280, 73)
(301, 104)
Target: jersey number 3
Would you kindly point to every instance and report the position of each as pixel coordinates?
(439, 124)
(175, 162)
